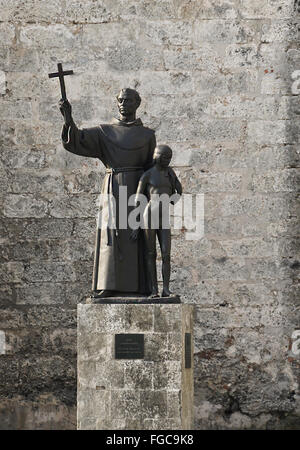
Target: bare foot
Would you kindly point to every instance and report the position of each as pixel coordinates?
(166, 293)
(101, 294)
(153, 295)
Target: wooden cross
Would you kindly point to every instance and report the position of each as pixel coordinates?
(61, 74)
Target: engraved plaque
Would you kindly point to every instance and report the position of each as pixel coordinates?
(188, 350)
(129, 346)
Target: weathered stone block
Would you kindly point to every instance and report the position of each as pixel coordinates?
(11, 272)
(18, 205)
(94, 345)
(156, 10)
(166, 376)
(79, 182)
(240, 55)
(141, 391)
(267, 132)
(23, 60)
(154, 404)
(139, 319)
(280, 31)
(139, 374)
(49, 271)
(43, 412)
(169, 83)
(260, 9)
(23, 182)
(30, 10)
(250, 247)
(208, 9)
(157, 348)
(275, 82)
(223, 31)
(51, 316)
(3, 82)
(132, 57)
(90, 400)
(273, 56)
(77, 206)
(31, 158)
(47, 229)
(12, 318)
(203, 58)
(277, 181)
(4, 54)
(124, 404)
(7, 34)
(108, 375)
(202, 183)
(166, 33)
(276, 207)
(15, 110)
(57, 35)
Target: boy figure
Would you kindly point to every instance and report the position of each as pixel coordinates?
(155, 182)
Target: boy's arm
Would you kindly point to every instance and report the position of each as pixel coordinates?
(141, 187)
(178, 186)
(140, 191)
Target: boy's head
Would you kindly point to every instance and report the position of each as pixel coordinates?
(162, 155)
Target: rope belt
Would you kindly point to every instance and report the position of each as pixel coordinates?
(122, 169)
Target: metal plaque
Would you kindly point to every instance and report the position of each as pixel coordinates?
(188, 350)
(129, 346)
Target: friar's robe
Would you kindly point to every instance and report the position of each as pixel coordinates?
(119, 261)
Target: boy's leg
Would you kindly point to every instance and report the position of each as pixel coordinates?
(150, 237)
(164, 237)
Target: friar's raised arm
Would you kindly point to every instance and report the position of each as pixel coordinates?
(85, 142)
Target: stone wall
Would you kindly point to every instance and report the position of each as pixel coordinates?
(215, 78)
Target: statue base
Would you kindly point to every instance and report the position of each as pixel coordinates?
(141, 300)
(135, 366)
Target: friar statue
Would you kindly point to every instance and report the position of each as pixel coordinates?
(126, 148)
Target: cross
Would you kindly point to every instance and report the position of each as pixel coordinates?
(61, 74)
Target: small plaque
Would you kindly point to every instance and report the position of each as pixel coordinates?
(129, 346)
(188, 350)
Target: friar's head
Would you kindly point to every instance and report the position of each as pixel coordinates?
(162, 155)
(128, 102)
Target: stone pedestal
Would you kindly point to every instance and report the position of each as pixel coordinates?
(153, 391)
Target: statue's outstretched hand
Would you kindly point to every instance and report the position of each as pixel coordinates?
(66, 110)
(134, 234)
(175, 198)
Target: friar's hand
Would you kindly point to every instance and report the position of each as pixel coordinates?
(134, 234)
(66, 110)
(175, 198)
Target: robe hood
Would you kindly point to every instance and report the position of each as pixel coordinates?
(127, 135)
(135, 122)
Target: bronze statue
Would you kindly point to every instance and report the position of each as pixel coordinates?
(125, 260)
(126, 149)
(155, 182)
